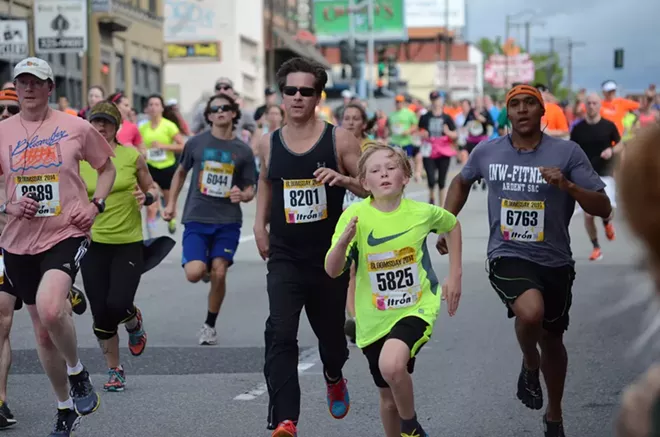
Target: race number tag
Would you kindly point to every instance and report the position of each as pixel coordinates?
(216, 179)
(398, 129)
(522, 220)
(394, 278)
(349, 199)
(425, 149)
(305, 201)
(156, 155)
(47, 189)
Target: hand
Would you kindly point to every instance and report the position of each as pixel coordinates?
(554, 176)
(349, 232)
(635, 417)
(607, 153)
(24, 208)
(446, 130)
(423, 133)
(235, 194)
(451, 292)
(139, 195)
(170, 211)
(262, 238)
(330, 177)
(83, 218)
(441, 245)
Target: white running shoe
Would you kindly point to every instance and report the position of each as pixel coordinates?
(208, 336)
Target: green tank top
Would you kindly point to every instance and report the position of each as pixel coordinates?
(121, 222)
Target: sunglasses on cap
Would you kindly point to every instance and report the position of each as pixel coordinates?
(12, 109)
(221, 108)
(223, 87)
(304, 91)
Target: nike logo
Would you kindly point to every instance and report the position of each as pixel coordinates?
(373, 241)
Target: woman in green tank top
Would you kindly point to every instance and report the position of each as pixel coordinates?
(112, 268)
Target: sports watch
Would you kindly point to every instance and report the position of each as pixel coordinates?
(3, 208)
(100, 204)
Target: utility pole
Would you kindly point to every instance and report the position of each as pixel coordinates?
(351, 37)
(448, 43)
(370, 52)
(271, 39)
(571, 45)
(527, 25)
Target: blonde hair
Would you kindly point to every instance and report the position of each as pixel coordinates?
(394, 152)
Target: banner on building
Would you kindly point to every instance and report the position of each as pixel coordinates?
(14, 39)
(462, 76)
(101, 6)
(331, 21)
(194, 50)
(193, 21)
(433, 13)
(60, 26)
(501, 71)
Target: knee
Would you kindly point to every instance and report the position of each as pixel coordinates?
(393, 369)
(195, 272)
(42, 337)
(52, 312)
(5, 324)
(551, 341)
(219, 272)
(104, 332)
(282, 333)
(529, 309)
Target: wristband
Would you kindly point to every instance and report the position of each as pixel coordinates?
(148, 199)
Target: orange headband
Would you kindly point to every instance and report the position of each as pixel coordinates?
(520, 90)
(9, 95)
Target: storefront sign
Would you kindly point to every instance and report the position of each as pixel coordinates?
(60, 26)
(13, 39)
(194, 50)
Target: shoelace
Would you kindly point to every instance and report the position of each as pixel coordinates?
(60, 424)
(414, 434)
(79, 388)
(336, 390)
(115, 376)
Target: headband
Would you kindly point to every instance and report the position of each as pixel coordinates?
(9, 95)
(523, 90)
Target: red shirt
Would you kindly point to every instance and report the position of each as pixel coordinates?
(129, 135)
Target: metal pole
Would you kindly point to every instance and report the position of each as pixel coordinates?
(89, 50)
(370, 54)
(447, 49)
(528, 25)
(351, 37)
(551, 65)
(271, 39)
(11, 15)
(571, 45)
(506, 57)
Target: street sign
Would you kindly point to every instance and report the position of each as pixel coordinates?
(60, 26)
(462, 75)
(13, 39)
(501, 73)
(434, 14)
(331, 21)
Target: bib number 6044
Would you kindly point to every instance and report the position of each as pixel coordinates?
(524, 218)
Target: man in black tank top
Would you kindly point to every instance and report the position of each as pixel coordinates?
(305, 169)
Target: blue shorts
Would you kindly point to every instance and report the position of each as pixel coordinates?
(411, 150)
(204, 242)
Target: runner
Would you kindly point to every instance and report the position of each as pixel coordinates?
(95, 94)
(162, 140)
(302, 186)
(223, 166)
(396, 306)
(615, 108)
(533, 181)
(600, 140)
(402, 124)
(45, 239)
(112, 268)
(128, 134)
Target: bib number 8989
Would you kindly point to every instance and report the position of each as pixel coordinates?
(524, 218)
(304, 198)
(395, 279)
(43, 192)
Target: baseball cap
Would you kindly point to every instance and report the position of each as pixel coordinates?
(347, 94)
(171, 102)
(609, 85)
(435, 95)
(36, 67)
(223, 81)
(399, 98)
(105, 111)
(269, 91)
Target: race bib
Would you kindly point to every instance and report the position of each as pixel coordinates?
(394, 278)
(426, 149)
(305, 201)
(350, 198)
(47, 189)
(156, 155)
(216, 179)
(522, 220)
(398, 129)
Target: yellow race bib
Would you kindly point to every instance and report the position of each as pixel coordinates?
(522, 220)
(216, 179)
(47, 189)
(394, 278)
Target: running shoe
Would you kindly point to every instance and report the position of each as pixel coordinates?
(116, 380)
(349, 329)
(137, 338)
(6, 418)
(609, 231)
(171, 226)
(415, 433)
(78, 300)
(596, 254)
(529, 388)
(85, 398)
(553, 429)
(208, 336)
(338, 400)
(66, 422)
(285, 429)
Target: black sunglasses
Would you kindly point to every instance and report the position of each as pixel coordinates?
(223, 87)
(305, 91)
(221, 108)
(12, 109)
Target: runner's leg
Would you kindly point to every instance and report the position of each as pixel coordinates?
(431, 181)
(393, 364)
(592, 233)
(224, 246)
(528, 309)
(389, 414)
(7, 303)
(554, 364)
(442, 164)
(349, 325)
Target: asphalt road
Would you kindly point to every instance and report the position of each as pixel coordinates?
(465, 377)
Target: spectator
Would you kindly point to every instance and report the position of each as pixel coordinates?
(63, 105)
(271, 99)
(224, 85)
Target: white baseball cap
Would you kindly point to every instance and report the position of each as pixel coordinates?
(347, 94)
(36, 67)
(609, 85)
(171, 102)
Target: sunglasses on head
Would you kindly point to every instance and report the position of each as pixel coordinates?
(305, 91)
(222, 87)
(221, 108)
(12, 109)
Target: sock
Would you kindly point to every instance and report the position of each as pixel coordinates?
(66, 405)
(211, 318)
(606, 222)
(132, 323)
(411, 425)
(331, 380)
(595, 243)
(75, 369)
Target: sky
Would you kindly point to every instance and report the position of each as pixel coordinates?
(603, 25)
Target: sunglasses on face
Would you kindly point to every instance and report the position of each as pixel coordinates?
(305, 91)
(12, 109)
(220, 108)
(222, 87)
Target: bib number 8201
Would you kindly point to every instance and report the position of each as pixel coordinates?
(43, 192)
(524, 218)
(303, 198)
(395, 279)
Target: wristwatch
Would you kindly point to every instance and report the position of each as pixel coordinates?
(3, 208)
(100, 204)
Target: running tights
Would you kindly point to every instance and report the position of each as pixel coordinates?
(439, 166)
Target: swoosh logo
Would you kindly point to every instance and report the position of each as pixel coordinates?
(373, 241)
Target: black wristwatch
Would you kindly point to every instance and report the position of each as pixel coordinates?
(3, 208)
(100, 204)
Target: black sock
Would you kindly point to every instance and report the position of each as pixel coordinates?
(411, 425)
(595, 243)
(211, 318)
(606, 222)
(332, 380)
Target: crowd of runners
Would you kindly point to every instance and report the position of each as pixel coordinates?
(333, 223)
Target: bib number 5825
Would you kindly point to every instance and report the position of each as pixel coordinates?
(395, 279)
(524, 218)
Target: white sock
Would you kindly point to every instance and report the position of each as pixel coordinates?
(68, 404)
(75, 369)
(132, 324)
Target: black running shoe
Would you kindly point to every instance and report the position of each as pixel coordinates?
(85, 398)
(6, 418)
(67, 421)
(529, 388)
(349, 329)
(78, 300)
(553, 429)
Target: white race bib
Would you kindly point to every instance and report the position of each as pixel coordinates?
(47, 189)
(394, 278)
(349, 199)
(156, 155)
(398, 129)
(305, 201)
(216, 179)
(426, 149)
(522, 220)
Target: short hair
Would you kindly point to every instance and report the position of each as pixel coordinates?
(232, 102)
(302, 65)
(156, 96)
(399, 155)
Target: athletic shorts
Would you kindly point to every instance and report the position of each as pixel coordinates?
(510, 277)
(24, 272)
(411, 330)
(411, 150)
(6, 286)
(205, 242)
(163, 176)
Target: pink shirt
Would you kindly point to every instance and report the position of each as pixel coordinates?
(44, 159)
(129, 135)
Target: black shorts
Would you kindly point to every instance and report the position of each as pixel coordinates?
(5, 286)
(411, 330)
(511, 277)
(163, 176)
(24, 272)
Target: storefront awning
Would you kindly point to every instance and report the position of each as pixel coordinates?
(305, 50)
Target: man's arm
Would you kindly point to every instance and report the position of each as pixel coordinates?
(349, 151)
(586, 187)
(264, 189)
(106, 178)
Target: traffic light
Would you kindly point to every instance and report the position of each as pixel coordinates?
(346, 55)
(382, 69)
(618, 59)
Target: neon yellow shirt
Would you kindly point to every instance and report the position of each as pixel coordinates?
(164, 133)
(394, 276)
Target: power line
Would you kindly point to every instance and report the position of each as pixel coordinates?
(570, 46)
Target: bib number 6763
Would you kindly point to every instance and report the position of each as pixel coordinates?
(524, 218)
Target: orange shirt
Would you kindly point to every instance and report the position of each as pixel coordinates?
(617, 108)
(554, 118)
